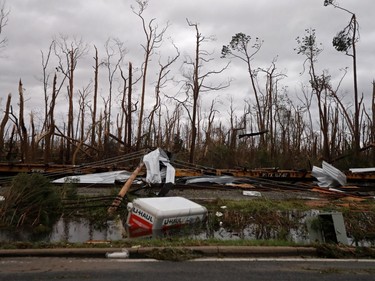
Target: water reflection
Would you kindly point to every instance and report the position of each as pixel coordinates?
(78, 231)
(69, 231)
(82, 230)
(231, 225)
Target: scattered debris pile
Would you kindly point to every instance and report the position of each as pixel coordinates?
(157, 172)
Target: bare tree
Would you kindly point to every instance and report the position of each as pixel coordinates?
(161, 81)
(4, 13)
(21, 126)
(345, 41)
(154, 38)
(3, 124)
(33, 139)
(128, 106)
(320, 84)
(82, 102)
(209, 128)
(69, 54)
(12, 147)
(81, 124)
(46, 76)
(233, 130)
(50, 127)
(306, 104)
(269, 99)
(50, 97)
(127, 110)
(115, 53)
(172, 130)
(196, 82)
(95, 97)
(240, 48)
(4, 16)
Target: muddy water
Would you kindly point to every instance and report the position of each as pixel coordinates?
(225, 228)
(229, 226)
(79, 231)
(70, 231)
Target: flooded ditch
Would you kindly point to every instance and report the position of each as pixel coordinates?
(225, 224)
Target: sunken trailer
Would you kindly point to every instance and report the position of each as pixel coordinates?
(156, 215)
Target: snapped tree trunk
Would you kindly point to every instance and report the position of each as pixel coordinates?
(51, 123)
(94, 105)
(3, 124)
(22, 128)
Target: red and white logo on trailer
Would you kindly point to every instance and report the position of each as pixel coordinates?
(140, 218)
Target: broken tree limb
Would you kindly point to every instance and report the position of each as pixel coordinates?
(371, 145)
(252, 134)
(125, 189)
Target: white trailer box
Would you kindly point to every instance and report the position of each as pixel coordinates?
(161, 213)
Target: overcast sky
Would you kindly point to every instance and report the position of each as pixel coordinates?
(34, 23)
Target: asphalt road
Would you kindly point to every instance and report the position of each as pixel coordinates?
(15, 269)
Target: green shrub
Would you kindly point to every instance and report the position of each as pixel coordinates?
(30, 201)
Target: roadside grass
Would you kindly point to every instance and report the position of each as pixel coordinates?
(342, 252)
(262, 204)
(179, 249)
(138, 243)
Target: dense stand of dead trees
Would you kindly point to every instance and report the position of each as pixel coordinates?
(293, 144)
(271, 130)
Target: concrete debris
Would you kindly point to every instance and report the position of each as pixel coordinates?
(252, 193)
(219, 214)
(124, 254)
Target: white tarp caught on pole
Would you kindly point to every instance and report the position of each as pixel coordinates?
(158, 167)
(328, 176)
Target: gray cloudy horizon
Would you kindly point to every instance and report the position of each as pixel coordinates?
(33, 24)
